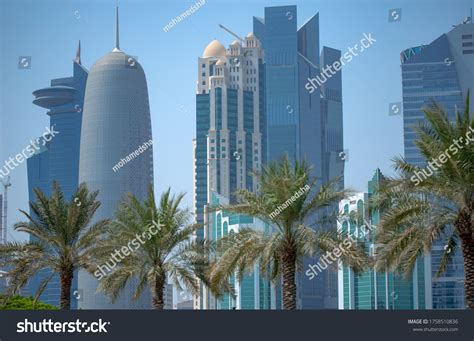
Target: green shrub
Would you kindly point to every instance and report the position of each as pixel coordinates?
(18, 302)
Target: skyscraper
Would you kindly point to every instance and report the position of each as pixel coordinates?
(58, 159)
(304, 125)
(376, 289)
(116, 122)
(442, 71)
(254, 291)
(230, 123)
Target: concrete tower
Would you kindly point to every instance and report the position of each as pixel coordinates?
(116, 122)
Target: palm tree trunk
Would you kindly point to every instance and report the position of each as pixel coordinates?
(468, 253)
(289, 285)
(158, 300)
(66, 277)
(465, 229)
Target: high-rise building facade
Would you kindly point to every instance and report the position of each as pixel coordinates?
(116, 123)
(303, 124)
(442, 71)
(373, 289)
(58, 159)
(229, 120)
(3, 273)
(168, 297)
(255, 290)
(230, 124)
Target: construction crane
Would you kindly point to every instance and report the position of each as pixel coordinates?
(230, 32)
(3, 231)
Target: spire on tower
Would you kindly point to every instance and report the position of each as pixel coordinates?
(117, 41)
(78, 53)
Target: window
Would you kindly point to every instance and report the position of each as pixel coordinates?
(240, 142)
(223, 140)
(212, 140)
(212, 156)
(467, 36)
(203, 66)
(203, 82)
(468, 52)
(223, 149)
(466, 44)
(204, 74)
(223, 156)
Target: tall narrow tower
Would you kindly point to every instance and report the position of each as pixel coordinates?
(3, 230)
(116, 122)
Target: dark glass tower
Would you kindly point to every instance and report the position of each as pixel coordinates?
(442, 71)
(301, 124)
(58, 160)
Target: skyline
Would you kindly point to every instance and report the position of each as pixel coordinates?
(167, 117)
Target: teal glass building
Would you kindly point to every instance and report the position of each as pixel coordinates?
(442, 71)
(255, 291)
(376, 290)
(58, 159)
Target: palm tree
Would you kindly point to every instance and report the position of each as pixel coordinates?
(61, 234)
(165, 250)
(285, 201)
(424, 205)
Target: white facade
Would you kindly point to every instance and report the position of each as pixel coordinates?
(235, 68)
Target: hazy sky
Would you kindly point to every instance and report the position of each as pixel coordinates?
(48, 31)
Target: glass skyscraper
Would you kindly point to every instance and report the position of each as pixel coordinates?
(58, 159)
(116, 123)
(376, 289)
(442, 71)
(304, 125)
(255, 291)
(230, 125)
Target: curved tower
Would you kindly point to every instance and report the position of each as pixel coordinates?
(116, 125)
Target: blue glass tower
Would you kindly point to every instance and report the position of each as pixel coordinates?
(58, 159)
(442, 71)
(304, 125)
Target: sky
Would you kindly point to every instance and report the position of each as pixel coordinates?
(48, 31)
